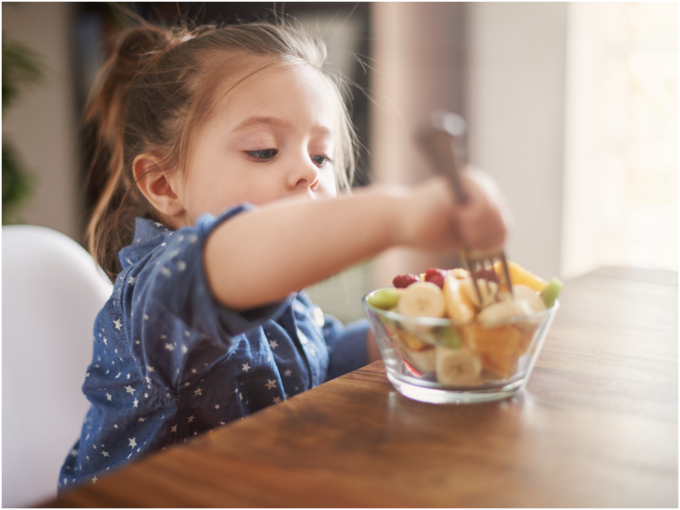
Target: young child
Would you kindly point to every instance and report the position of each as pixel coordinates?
(222, 150)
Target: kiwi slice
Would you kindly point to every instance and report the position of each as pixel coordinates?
(448, 337)
(550, 293)
(385, 299)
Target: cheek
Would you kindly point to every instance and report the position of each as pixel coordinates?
(327, 184)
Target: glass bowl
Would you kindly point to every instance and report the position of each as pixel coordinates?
(433, 360)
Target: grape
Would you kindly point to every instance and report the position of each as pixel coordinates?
(404, 280)
(436, 276)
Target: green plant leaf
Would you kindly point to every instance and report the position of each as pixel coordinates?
(17, 185)
(20, 66)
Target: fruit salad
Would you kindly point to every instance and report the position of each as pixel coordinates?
(446, 331)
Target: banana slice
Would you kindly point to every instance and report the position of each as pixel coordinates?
(459, 273)
(458, 308)
(422, 299)
(488, 293)
(457, 366)
(501, 312)
(530, 296)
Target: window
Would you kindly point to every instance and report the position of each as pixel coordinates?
(621, 151)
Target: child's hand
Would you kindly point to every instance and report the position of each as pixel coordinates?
(434, 220)
(482, 223)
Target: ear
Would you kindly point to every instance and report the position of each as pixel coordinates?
(159, 186)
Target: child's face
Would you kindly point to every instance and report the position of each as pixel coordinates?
(270, 137)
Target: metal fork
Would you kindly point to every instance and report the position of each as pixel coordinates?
(442, 141)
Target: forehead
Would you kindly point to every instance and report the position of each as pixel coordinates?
(294, 93)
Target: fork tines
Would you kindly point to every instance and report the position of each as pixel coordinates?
(480, 264)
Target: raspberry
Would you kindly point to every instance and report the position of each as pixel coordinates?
(436, 276)
(404, 280)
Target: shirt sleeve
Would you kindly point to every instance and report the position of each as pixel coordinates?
(175, 312)
(346, 345)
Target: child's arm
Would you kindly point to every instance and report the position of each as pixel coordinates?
(261, 257)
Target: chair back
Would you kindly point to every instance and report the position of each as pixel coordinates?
(51, 294)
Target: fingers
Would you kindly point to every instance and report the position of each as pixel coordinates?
(489, 186)
(482, 222)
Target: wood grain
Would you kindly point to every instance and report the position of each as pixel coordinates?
(596, 426)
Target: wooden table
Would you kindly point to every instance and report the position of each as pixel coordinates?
(596, 426)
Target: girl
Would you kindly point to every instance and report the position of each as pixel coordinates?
(222, 150)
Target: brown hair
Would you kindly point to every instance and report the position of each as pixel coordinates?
(153, 92)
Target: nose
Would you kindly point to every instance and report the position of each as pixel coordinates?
(303, 175)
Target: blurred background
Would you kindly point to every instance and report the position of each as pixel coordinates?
(571, 107)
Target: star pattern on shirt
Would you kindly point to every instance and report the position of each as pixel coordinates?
(286, 357)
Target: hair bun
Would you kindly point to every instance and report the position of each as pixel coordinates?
(143, 40)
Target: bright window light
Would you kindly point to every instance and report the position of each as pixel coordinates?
(621, 152)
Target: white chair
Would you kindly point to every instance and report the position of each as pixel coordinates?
(51, 294)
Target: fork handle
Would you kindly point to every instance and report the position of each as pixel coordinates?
(442, 142)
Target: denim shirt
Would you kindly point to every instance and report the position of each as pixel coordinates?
(170, 362)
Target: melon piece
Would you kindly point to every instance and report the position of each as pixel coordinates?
(520, 276)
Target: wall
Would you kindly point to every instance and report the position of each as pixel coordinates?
(515, 100)
(418, 60)
(42, 125)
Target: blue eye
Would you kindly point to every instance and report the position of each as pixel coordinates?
(263, 155)
(321, 160)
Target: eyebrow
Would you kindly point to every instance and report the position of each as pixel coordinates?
(254, 122)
